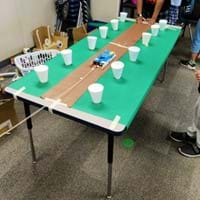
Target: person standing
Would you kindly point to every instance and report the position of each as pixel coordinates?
(195, 49)
(151, 10)
(174, 11)
(191, 137)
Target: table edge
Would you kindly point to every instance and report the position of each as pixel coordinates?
(60, 109)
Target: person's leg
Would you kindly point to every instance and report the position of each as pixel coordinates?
(173, 15)
(191, 64)
(191, 131)
(198, 139)
(196, 42)
(194, 56)
(189, 136)
(198, 57)
(192, 150)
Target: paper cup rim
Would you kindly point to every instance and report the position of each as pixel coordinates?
(95, 87)
(134, 48)
(41, 68)
(123, 13)
(163, 20)
(91, 37)
(117, 65)
(103, 27)
(114, 20)
(146, 33)
(155, 26)
(64, 51)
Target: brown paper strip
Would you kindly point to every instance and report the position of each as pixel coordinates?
(72, 87)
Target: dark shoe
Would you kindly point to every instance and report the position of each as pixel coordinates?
(188, 64)
(189, 150)
(181, 137)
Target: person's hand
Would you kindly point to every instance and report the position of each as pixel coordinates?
(140, 19)
(197, 75)
(151, 21)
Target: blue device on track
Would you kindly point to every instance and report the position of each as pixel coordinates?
(104, 58)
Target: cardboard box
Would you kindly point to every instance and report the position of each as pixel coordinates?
(8, 116)
(44, 39)
(79, 32)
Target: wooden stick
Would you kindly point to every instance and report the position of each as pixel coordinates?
(38, 37)
(48, 31)
(84, 29)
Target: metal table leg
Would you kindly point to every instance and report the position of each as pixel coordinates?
(190, 31)
(164, 72)
(110, 161)
(29, 127)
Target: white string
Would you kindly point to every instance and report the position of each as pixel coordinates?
(50, 107)
(77, 83)
(21, 122)
(54, 103)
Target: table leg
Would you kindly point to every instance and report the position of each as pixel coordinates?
(29, 127)
(164, 72)
(110, 161)
(190, 31)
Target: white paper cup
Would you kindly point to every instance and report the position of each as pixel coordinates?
(155, 29)
(92, 40)
(96, 92)
(103, 31)
(117, 69)
(123, 16)
(133, 53)
(42, 73)
(163, 24)
(115, 24)
(67, 56)
(146, 38)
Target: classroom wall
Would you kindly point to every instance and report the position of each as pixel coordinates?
(18, 19)
(104, 10)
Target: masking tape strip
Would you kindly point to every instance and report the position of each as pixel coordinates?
(54, 103)
(119, 45)
(18, 92)
(114, 122)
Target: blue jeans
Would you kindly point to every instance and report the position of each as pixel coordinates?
(196, 40)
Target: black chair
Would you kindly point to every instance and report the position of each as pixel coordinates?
(185, 15)
(129, 6)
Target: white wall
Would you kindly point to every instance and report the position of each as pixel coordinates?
(18, 18)
(104, 10)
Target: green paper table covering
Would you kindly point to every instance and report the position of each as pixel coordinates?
(121, 97)
(58, 71)
(124, 97)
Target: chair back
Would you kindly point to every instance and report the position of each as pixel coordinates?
(187, 7)
(186, 10)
